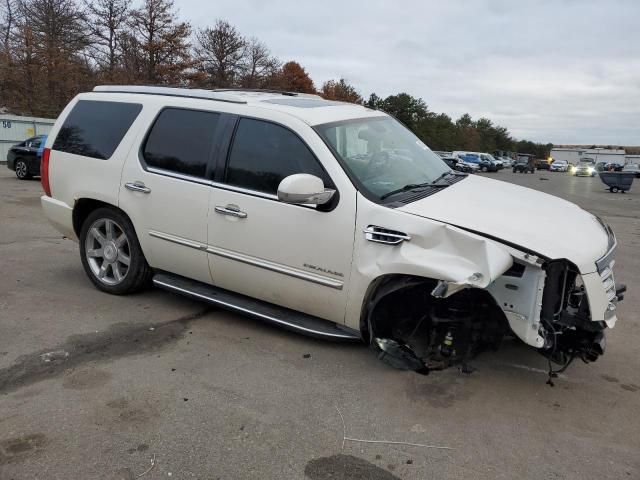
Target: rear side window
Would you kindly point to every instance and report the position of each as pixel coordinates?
(264, 153)
(181, 141)
(95, 128)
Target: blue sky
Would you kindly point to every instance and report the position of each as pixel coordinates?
(562, 71)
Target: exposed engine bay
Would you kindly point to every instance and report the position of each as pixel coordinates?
(414, 325)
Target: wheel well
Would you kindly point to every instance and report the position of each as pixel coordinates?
(382, 287)
(83, 208)
(395, 304)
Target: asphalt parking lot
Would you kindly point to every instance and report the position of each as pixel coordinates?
(94, 386)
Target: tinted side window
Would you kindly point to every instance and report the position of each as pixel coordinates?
(96, 128)
(264, 153)
(181, 141)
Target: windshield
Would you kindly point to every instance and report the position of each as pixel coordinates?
(631, 166)
(560, 162)
(382, 154)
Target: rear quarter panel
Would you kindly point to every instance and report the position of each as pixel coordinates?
(73, 177)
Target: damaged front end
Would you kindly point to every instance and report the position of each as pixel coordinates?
(424, 325)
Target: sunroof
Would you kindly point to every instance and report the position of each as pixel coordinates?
(303, 102)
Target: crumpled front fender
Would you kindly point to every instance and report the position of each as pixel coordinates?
(434, 250)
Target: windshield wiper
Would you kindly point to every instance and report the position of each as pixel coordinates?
(406, 188)
(441, 177)
(411, 186)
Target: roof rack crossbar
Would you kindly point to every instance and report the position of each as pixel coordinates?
(167, 91)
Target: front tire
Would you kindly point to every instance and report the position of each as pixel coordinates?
(111, 254)
(485, 169)
(22, 170)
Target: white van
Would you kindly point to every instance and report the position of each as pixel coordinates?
(325, 218)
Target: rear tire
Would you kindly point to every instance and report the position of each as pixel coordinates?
(111, 254)
(613, 189)
(22, 170)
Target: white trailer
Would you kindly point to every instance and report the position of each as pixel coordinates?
(574, 155)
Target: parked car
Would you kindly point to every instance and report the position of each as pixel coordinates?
(490, 158)
(507, 161)
(632, 167)
(325, 218)
(559, 166)
(543, 164)
(459, 166)
(524, 164)
(483, 164)
(584, 169)
(24, 158)
(470, 167)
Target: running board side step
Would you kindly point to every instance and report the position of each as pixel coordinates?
(267, 312)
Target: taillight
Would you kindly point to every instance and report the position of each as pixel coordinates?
(44, 171)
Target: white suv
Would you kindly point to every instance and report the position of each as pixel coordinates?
(326, 218)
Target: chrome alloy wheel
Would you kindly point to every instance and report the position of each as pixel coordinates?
(21, 169)
(108, 251)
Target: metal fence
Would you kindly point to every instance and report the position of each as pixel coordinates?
(15, 129)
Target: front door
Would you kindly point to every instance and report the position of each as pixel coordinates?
(165, 190)
(290, 255)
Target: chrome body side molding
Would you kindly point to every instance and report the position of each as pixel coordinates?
(250, 260)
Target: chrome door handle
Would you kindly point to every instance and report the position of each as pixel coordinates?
(231, 210)
(137, 187)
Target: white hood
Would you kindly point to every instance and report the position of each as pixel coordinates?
(536, 221)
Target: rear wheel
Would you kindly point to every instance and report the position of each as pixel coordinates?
(22, 170)
(613, 189)
(111, 254)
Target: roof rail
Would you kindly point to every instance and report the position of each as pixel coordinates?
(169, 91)
(267, 90)
(257, 90)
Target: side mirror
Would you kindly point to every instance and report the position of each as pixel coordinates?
(304, 189)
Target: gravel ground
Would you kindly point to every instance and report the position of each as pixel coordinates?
(94, 386)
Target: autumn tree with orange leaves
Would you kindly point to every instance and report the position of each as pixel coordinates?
(294, 78)
(341, 91)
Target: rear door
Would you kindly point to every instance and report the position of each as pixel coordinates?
(165, 189)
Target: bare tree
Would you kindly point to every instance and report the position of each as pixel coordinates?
(8, 12)
(7, 21)
(159, 43)
(220, 53)
(49, 42)
(106, 22)
(258, 64)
